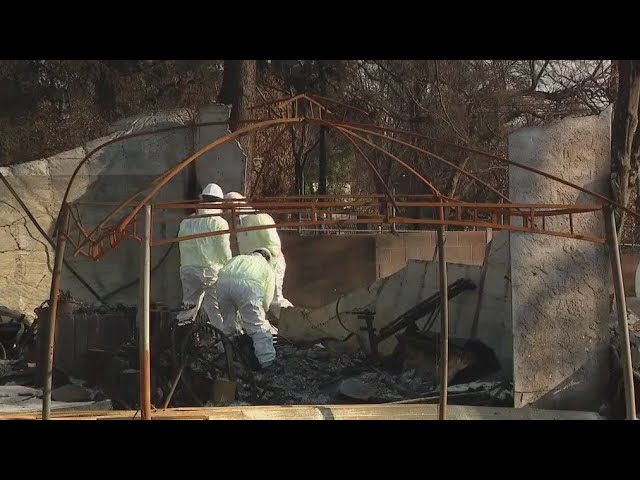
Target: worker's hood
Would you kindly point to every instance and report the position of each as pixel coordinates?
(209, 211)
(246, 211)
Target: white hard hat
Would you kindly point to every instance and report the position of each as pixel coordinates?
(213, 190)
(234, 196)
(238, 198)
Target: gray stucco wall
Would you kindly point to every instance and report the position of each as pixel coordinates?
(560, 287)
(114, 173)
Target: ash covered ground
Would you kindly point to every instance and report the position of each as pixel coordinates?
(319, 375)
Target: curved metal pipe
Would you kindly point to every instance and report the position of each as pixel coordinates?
(437, 157)
(503, 160)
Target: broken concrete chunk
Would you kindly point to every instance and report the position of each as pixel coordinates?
(19, 390)
(356, 389)
(17, 394)
(71, 393)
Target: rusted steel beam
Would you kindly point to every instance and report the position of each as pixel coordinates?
(399, 220)
(143, 318)
(53, 314)
(96, 250)
(444, 319)
(621, 307)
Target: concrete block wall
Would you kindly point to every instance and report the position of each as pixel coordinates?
(394, 251)
(560, 287)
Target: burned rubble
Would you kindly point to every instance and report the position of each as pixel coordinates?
(304, 375)
(317, 375)
(190, 369)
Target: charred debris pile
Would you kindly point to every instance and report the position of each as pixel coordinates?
(193, 365)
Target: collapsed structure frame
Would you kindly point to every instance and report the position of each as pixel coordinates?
(303, 110)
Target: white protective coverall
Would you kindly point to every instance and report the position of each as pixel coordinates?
(246, 285)
(200, 261)
(267, 238)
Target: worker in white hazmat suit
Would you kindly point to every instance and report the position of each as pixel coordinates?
(246, 285)
(202, 258)
(266, 238)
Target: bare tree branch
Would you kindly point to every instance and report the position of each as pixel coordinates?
(449, 121)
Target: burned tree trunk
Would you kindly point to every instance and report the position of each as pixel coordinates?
(322, 159)
(322, 162)
(299, 171)
(624, 136)
(238, 90)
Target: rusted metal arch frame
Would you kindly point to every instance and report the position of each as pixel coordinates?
(355, 126)
(356, 148)
(168, 175)
(498, 158)
(122, 138)
(293, 102)
(311, 98)
(358, 125)
(182, 127)
(158, 183)
(130, 136)
(161, 178)
(436, 157)
(172, 173)
(432, 187)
